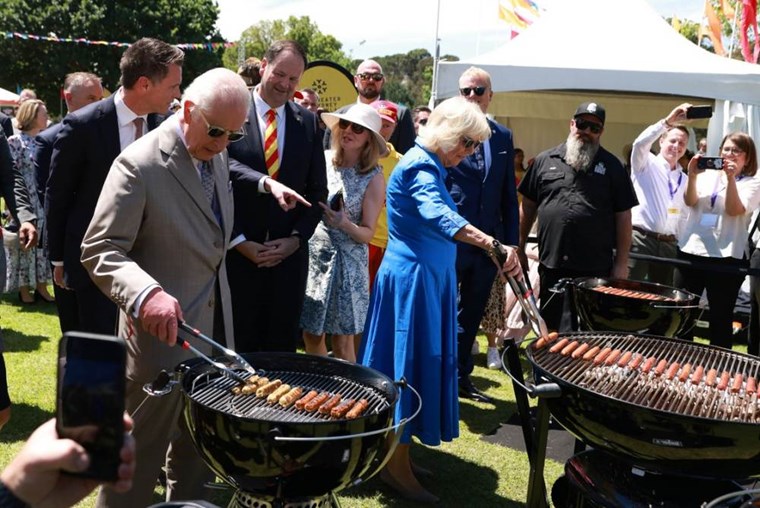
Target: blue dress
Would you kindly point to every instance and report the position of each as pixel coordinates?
(411, 327)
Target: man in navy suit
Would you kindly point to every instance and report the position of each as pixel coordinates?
(268, 265)
(7, 125)
(483, 187)
(79, 90)
(85, 148)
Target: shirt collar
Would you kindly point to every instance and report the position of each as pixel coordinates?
(124, 115)
(263, 108)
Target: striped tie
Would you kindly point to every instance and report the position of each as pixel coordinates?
(270, 144)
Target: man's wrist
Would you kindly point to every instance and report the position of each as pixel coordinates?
(8, 499)
(297, 235)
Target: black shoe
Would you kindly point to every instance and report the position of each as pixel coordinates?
(468, 391)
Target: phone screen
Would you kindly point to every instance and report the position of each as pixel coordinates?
(91, 385)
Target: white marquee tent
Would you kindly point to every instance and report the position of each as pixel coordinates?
(8, 98)
(621, 54)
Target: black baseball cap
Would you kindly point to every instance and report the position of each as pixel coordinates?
(591, 108)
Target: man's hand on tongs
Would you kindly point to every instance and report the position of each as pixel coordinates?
(507, 260)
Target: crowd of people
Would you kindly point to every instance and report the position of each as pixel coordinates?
(369, 233)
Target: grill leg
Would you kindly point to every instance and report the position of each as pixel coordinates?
(536, 485)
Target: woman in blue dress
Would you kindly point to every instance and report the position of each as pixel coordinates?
(411, 326)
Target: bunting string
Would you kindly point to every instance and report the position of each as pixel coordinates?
(209, 46)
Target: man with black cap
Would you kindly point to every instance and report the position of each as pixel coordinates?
(582, 197)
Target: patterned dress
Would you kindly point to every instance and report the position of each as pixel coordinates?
(337, 290)
(30, 267)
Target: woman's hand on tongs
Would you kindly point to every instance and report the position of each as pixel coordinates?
(511, 261)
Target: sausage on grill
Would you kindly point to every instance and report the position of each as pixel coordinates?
(290, 397)
(591, 353)
(724, 380)
(341, 410)
(300, 403)
(279, 392)
(330, 404)
(358, 409)
(579, 352)
(737, 383)
(672, 370)
(543, 341)
(751, 385)
(268, 388)
(711, 375)
(556, 348)
(698, 375)
(637, 359)
(660, 369)
(317, 401)
(612, 358)
(569, 348)
(648, 364)
(625, 359)
(602, 355)
(684, 375)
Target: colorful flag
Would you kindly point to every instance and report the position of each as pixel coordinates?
(728, 9)
(519, 14)
(749, 22)
(714, 31)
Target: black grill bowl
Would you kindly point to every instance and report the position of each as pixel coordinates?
(244, 451)
(605, 312)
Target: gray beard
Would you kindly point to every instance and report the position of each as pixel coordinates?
(580, 154)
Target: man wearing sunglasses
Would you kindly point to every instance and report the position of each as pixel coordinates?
(268, 263)
(483, 188)
(582, 197)
(369, 81)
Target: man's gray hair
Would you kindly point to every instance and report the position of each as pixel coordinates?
(452, 120)
(218, 85)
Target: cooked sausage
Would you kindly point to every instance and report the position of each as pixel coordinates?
(579, 352)
(279, 392)
(290, 397)
(711, 375)
(591, 353)
(300, 403)
(625, 359)
(317, 401)
(358, 409)
(543, 341)
(248, 389)
(660, 369)
(569, 348)
(684, 375)
(637, 359)
(698, 375)
(556, 348)
(737, 383)
(751, 385)
(648, 364)
(340, 411)
(251, 381)
(330, 404)
(673, 370)
(268, 388)
(602, 355)
(614, 355)
(723, 384)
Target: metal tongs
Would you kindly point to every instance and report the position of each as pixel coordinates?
(523, 292)
(227, 352)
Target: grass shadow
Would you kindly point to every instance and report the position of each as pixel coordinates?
(23, 417)
(19, 342)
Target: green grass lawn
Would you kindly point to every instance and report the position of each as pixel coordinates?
(468, 471)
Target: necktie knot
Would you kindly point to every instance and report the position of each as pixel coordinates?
(138, 123)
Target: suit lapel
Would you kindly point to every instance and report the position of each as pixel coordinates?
(255, 145)
(294, 123)
(110, 129)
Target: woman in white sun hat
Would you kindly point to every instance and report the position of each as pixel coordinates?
(337, 291)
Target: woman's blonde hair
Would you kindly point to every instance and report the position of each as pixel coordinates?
(368, 158)
(27, 114)
(452, 120)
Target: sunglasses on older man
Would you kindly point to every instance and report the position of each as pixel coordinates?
(466, 91)
(217, 132)
(345, 124)
(582, 125)
(374, 76)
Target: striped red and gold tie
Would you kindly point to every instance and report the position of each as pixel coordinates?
(271, 154)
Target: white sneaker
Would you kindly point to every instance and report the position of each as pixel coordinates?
(493, 359)
(475, 347)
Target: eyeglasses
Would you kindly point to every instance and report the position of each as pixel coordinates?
(422, 121)
(374, 76)
(466, 91)
(582, 125)
(217, 132)
(345, 124)
(732, 150)
(470, 143)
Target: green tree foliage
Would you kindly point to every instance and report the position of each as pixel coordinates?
(42, 65)
(257, 38)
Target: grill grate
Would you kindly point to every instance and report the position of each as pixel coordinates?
(662, 380)
(213, 391)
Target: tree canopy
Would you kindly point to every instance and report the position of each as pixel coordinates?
(42, 65)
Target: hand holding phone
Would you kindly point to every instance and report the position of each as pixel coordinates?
(709, 162)
(699, 112)
(336, 202)
(90, 400)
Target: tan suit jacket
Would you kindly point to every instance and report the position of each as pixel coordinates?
(154, 225)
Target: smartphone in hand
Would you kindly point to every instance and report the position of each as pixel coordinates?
(710, 163)
(699, 112)
(336, 202)
(90, 399)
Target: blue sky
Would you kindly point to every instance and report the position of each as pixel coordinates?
(466, 28)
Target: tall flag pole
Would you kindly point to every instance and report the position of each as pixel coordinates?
(436, 58)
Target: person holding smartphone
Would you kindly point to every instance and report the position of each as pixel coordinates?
(720, 204)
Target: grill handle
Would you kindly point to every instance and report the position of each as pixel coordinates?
(211, 342)
(401, 423)
(659, 306)
(543, 390)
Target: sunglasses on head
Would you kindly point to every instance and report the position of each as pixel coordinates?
(217, 132)
(470, 143)
(466, 91)
(374, 76)
(582, 125)
(345, 124)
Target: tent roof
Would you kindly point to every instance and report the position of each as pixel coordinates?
(8, 98)
(608, 45)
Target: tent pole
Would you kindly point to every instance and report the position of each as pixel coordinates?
(436, 59)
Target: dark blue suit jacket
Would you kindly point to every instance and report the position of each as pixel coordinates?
(83, 152)
(489, 205)
(43, 143)
(7, 124)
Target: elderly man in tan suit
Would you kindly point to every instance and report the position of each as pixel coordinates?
(156, 247)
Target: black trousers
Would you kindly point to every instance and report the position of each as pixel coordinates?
(753, 341)
(474, 282)
(722, 290)
(558, 309)
(95, 311)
